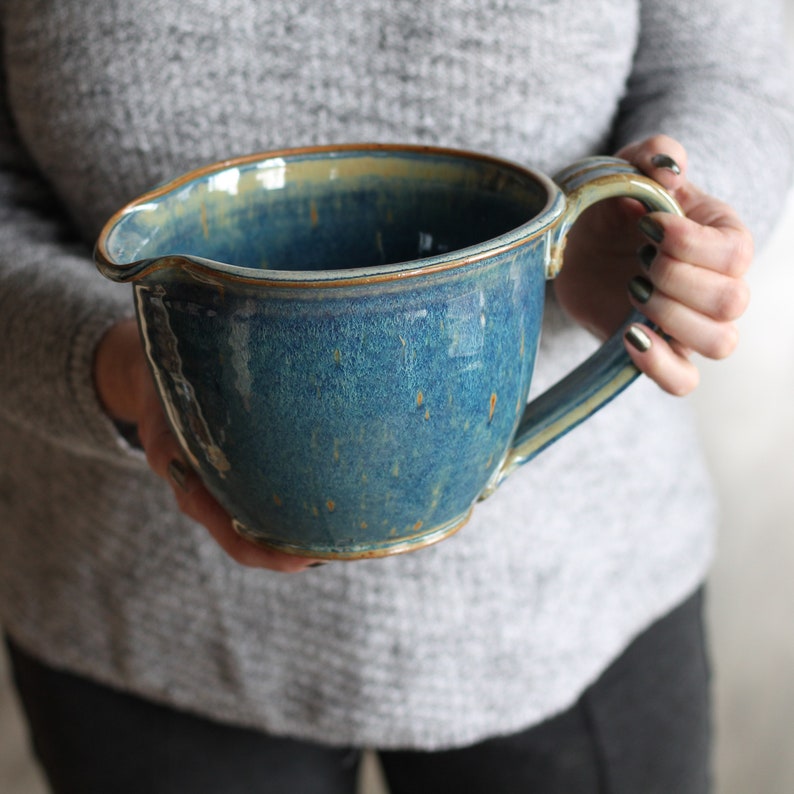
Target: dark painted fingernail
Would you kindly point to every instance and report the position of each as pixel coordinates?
(316, 565)
(178, 472)
(651, 228)
(666, 162)
(638, 339)
(641, 289)
(646, 255)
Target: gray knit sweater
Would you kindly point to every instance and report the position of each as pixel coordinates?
(489, 631)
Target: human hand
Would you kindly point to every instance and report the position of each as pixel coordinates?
(686, 275)
(126, 390)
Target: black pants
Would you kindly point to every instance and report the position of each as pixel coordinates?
(642, 728)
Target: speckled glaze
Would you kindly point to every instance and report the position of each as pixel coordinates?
(343, 338)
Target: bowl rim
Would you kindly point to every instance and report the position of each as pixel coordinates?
(132, 271)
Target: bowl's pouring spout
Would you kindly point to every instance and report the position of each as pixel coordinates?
(123, 252)
(138, 270)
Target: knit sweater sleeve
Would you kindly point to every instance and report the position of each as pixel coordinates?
(713, 74)
(54, 308)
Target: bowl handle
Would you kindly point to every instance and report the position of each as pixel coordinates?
(609, 370)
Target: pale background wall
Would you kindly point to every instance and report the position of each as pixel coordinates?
(746, 408)
(747, 422)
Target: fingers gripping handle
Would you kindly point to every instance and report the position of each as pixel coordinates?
(595, 179)
(609, 370)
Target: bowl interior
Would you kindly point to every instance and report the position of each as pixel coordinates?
(330, 210)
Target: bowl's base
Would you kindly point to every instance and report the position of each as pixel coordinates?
(358, 551)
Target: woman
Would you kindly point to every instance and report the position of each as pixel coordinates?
(555, 643)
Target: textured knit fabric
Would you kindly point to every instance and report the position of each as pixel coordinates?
(503, 624)
(642, 728)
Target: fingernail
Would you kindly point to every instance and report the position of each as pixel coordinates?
(651, 228)
(316, 565)
(646, 255)
(178, 472)
(666, 162)
(638, 339)
(641, 289)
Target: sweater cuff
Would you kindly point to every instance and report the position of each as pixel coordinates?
(102, 435)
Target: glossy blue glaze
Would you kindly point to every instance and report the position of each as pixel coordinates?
(344, 339)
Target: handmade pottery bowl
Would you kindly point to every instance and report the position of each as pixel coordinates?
(343, 338)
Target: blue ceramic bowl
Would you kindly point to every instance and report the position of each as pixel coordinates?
(343, 338)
